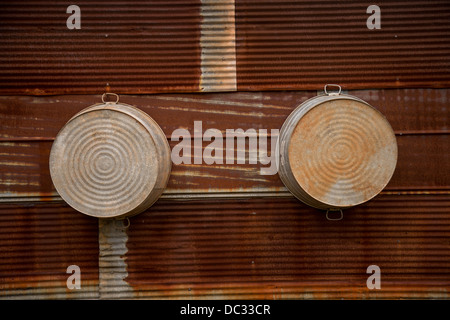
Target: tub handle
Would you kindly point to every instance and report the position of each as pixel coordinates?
(335, 219)
(332, 93)
(124, 225)
(110, 94)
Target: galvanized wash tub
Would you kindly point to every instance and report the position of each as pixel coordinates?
(110, 160)
(336, 151)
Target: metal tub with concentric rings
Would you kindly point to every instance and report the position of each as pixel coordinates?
(336, 151)
(110, 160)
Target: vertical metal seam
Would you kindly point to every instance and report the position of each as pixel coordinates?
(218, 46)
(112, 266)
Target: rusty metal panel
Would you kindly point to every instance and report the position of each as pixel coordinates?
(280, 248)
(112, 240)
(202, 45)
(411, 111)
(423, 163)
(261, 248)
(225, 231)
(304, 45)
(134, 47)
(218, 47)
(38, 242)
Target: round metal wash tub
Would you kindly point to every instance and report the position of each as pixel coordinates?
(336, 151)
(110, 160)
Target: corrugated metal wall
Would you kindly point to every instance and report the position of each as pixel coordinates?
(225, 231)
(167, 46)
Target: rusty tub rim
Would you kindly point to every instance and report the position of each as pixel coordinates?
(156, 137)
(285, 173)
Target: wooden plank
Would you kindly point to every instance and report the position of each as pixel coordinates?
(29, 124)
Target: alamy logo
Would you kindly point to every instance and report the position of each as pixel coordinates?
(74, 20)
(73, 281)
(222, 150)
(374, 21)
(374, 281)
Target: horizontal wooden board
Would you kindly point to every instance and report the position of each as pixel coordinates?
(407, 110)
(29, 124)
(422, 165)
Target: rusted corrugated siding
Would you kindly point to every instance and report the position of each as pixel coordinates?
(279, 248)
(38, 242)
(304, 44)
(252, 249)
(202, 45)
(205, 248)
(245, 236)
(137, 47)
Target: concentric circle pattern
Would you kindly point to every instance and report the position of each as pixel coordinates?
(104, 163)
(342, 153)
